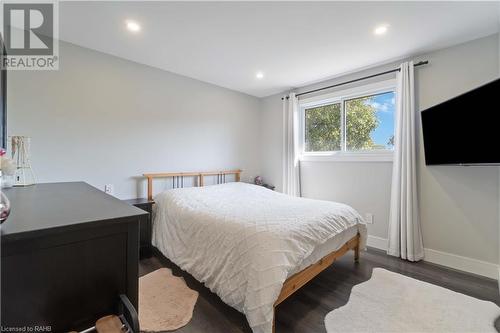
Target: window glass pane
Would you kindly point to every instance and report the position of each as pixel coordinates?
(323, 128)
(370, 122)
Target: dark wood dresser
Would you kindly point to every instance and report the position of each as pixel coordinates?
(68, 252)
(145, 224)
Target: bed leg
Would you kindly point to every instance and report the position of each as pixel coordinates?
(356, 251)
(274, 319)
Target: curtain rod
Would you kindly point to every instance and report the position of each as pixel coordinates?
(356, 80)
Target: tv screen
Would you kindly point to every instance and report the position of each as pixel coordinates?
(464, 130)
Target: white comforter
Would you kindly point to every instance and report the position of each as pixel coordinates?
(242, 240)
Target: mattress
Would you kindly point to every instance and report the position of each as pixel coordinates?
(243, 241)
(322, 250)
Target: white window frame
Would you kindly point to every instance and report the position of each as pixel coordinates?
(341, 97)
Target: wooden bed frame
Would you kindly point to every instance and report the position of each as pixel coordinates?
(294, 282)
(178, 178)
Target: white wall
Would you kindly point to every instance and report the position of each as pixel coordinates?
(106, 120)
(272, 140)
(458, 205)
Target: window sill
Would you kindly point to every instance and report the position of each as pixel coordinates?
(349, 157)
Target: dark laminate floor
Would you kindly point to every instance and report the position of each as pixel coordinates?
(305, 310)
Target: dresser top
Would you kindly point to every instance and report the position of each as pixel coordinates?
(44, 208)
(139, 201)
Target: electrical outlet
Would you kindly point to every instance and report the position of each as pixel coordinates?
(369, 218)
(108, 188)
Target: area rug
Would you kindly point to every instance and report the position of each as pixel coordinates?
(391, 302)
(165, 301)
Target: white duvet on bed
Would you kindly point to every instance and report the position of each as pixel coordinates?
(242, 241)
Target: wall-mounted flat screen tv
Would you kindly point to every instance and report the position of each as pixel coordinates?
(464, 130)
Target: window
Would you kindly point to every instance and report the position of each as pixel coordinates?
(352, 122)
(370, 122)
(323, 128)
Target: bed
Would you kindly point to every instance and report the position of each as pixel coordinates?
(251, 246)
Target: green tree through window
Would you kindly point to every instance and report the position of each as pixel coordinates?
(323, 128)
(360, 122)
(368, 124)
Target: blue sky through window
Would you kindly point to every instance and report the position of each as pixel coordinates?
(384, 105)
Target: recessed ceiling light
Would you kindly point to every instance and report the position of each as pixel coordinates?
(381, 30)
(259, 75)
(133, 26)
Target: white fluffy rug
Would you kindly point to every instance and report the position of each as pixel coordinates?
(391, 302)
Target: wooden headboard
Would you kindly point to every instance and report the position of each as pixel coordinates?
(178, 178)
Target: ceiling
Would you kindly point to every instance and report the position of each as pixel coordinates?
(292, 43)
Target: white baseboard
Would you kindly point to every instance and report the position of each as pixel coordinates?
(462, 263)
(377, 242)
(454, 261)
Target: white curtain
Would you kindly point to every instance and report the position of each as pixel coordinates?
(405, 236)
(291, 172)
